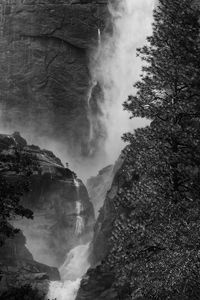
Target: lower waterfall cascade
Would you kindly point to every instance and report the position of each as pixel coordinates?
(79, 219)
(74, 267)
(76, 263)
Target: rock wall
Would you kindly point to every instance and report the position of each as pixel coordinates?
(18, 268)
(103, 227)
(45, 78)
(53, 198)
(98, 187)
(97, 283)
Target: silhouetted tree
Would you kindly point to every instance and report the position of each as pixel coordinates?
(16, 168)
(155, 243)
(25, 292)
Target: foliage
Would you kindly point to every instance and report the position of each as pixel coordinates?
(16, 167)
(156, 238)
(25, 292)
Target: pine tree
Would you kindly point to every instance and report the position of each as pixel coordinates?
(15, 171)
(156, 244)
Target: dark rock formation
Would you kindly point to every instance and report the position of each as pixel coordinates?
(53, 198)
(45, 76)
(97, 284)
(103, 226)
(17, 267)
(99, 185)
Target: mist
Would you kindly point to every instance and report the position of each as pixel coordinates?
(114, 68)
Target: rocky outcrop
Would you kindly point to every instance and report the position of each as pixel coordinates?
(103, 227)
(18, 268)
(44, 58)
(97, 283)
(98, 186)
(63, 213)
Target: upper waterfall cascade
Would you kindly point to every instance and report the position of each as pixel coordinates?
(93, 120)
(115, 67)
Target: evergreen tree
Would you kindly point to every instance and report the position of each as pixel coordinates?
(156, 237)
(16, 168)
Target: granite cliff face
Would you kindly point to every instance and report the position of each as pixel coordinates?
(97, 284)
(45, 78)
(18, 268)
(98, 186)
(63, 213)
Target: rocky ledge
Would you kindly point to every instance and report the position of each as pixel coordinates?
(63, 213)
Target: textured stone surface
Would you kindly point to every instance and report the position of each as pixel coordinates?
(17, 267)
(103, 227)
(45, 77)
(97, 284)
(53, 199)
(98, 186)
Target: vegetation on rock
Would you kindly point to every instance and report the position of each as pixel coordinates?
(16, 168)
(155, 241)
(23, 293)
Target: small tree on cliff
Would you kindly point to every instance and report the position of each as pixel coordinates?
(156, 235)
(15, 171)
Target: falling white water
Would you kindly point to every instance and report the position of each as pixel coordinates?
(93, 120)
(75, 266)
(79, 227)
(99, 36)
(78, 207)
(76, 263)
(79, 219)
(116, 67)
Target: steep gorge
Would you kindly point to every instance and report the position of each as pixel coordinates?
(63, 82)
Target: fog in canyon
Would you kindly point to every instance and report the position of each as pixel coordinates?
(114, 68)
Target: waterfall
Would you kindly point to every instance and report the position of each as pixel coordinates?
(79, 219)
(99, 38)
(74, 267)
(79, 227)
(93, 120)
(116, 68)
(76, 263)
